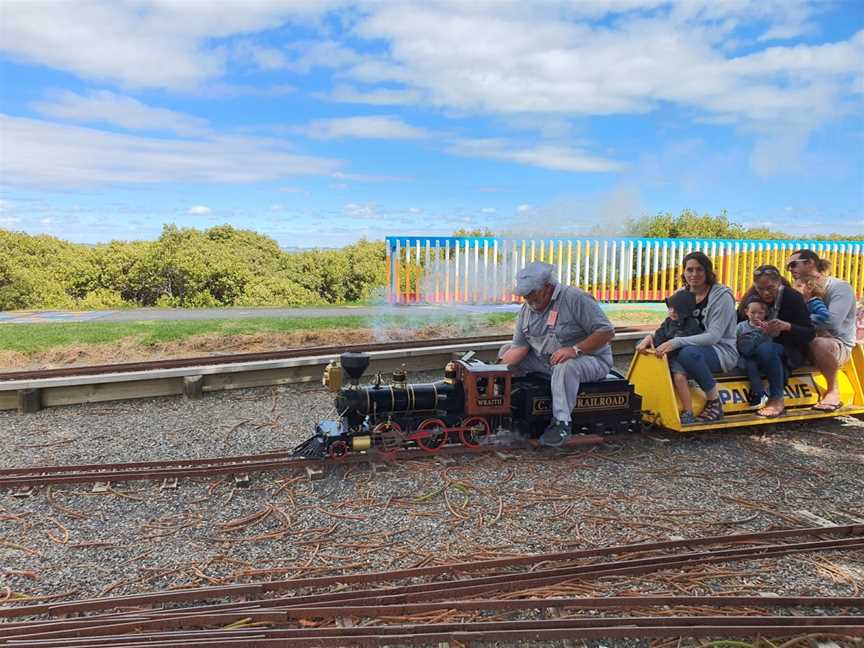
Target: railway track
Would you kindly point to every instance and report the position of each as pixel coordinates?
(488, 600)
(232, 358)
(221, 359)
(27, 477)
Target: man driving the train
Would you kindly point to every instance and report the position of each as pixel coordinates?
(561, 331)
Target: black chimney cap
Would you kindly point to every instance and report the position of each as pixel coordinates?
(354, 363)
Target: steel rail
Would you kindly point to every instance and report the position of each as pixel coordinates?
(592, 603)
(229, 358)
(177, 468)
(232, 358)
(167, 463)
(30, 628)
(520, 582)
(505, 583)
(257, 589)
(197, 622)
(507, 580)
(493, 630)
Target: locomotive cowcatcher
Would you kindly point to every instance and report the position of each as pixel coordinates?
(475, 403)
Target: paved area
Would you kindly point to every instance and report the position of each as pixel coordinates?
(154, 314)
(41, 317)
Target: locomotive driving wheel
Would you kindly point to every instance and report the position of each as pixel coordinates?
(389, 439)
(431, 434)
(473, 429)
(338, 449)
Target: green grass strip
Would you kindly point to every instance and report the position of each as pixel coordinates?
(36, 338)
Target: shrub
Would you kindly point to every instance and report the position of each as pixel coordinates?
(276, 291)
(102, 299)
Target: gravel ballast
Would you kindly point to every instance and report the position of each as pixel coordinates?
(70, 542)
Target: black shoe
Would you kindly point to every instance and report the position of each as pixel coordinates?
(555, 435)
(713, 412)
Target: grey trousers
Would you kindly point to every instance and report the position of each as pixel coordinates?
(565, 377)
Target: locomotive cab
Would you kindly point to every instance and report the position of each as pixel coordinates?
(487, 387)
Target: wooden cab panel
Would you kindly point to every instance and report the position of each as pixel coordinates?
(487, 388)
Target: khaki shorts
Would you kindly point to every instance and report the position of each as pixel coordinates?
(840, 351)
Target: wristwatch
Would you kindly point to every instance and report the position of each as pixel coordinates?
(577, 350)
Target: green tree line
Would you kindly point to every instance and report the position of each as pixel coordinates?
(690, 224)
(189, 268)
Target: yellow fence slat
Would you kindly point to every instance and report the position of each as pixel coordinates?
(454, 270)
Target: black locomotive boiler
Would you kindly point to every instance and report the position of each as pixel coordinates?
(475, 403)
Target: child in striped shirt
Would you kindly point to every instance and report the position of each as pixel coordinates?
(813, 291)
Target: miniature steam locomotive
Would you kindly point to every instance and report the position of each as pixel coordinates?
(475, 403)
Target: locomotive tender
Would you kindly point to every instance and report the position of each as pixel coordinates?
(475, 403)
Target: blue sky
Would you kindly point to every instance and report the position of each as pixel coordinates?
(320, 122)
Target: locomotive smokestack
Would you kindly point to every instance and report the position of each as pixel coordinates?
(354, 364)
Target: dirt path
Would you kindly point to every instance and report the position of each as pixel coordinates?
(132, 350)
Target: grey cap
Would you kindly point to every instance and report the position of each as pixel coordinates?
(534, 276)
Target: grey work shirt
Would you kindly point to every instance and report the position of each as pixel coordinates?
(578, 316)
(840, 299)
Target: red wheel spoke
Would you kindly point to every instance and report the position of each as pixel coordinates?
(473, 429)
(387, 438)
(431, 434)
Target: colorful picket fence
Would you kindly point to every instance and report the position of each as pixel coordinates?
(450, 270)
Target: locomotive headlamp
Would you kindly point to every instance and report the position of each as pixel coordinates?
(332, 378)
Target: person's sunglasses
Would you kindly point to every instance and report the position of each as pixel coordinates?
(770, 272)
(794, 263)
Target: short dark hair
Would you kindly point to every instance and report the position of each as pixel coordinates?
(748, 303)
(822, 265)
(705, 262)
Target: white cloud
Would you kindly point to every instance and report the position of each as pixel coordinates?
(361, 177)
(41, 153)
(365, 210)
(546, 156)
(602, 58)
(199, 210)
(308, 55)
(488, 210)
(156, 44)
(104, 107)
(373, 127)
(376, 97)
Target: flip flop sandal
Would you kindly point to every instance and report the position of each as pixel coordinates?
(770, 415)
(827, 407)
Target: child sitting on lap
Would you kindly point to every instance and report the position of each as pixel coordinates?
(749, 335)
(813, 291)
